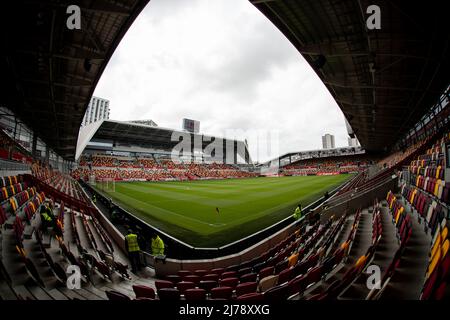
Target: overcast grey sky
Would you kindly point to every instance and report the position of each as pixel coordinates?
(225, 64)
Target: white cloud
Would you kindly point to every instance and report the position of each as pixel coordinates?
(221, 62)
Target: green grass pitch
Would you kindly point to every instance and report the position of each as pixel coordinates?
(187, 210)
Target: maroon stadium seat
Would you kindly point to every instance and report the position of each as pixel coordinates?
(277, 293)
(228, 274)
(182, 286)
(192, 278)
(195, 294)
(200, 273)
(229, 282)
(218, 271)
(143, 291)
(183, 273)
(314, 275)
(221, 293)
(171, 294)
(207, 285)
(266, 272)
(297, 284)
(249, 277)
(243, 271)
(285, 275)
(173, 278)
(116, 296)
(211, 276)
(246, 287)
(160, 284)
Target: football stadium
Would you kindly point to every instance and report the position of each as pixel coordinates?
(96, 208)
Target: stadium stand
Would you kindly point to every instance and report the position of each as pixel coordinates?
(394, 217)
(332, 165)
(405, 234)
(116, 168)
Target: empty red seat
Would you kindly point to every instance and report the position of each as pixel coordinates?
(285, 275)
(192, 278)
(233, 267)
(200, 273)
(229, 274)
(195, 294)
(116, 296)
(266, 272)
(280, 266)
(207, 285)
(183, 273)
(297, 284)
(249, 277)
(182, 286)
(171, 294)
(143, 292)
(277, 293)
(222, 293)
(313, 276)
(243, 271)
(160, 284)
(211, 276)
(173, 278)
(246, 287)
(229, 282)
(218, 271)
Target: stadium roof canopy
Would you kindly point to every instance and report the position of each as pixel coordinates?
(384, 79)
(50, 72)
(147, 136)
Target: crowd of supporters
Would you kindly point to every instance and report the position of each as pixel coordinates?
(327, 165)
(116, 168)
(149, 163)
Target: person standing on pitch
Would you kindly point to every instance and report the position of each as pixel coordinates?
(132, 245)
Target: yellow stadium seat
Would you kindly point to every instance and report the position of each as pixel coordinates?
(360, 262)
(434, 262)
(292, 260)
(445, 247)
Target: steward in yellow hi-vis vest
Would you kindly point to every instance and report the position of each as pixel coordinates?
(157, 245)
(132, 242)
(298, 212)
(132, 246)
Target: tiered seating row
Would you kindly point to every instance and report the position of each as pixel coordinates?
(148, 169)
(67, 185)
(438, 271)
(294, 265)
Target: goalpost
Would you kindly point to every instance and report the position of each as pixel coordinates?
(107, 184)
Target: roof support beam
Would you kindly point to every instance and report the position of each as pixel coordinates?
(349, 86)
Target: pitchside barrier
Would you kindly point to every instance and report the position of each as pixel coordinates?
(178, 249)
